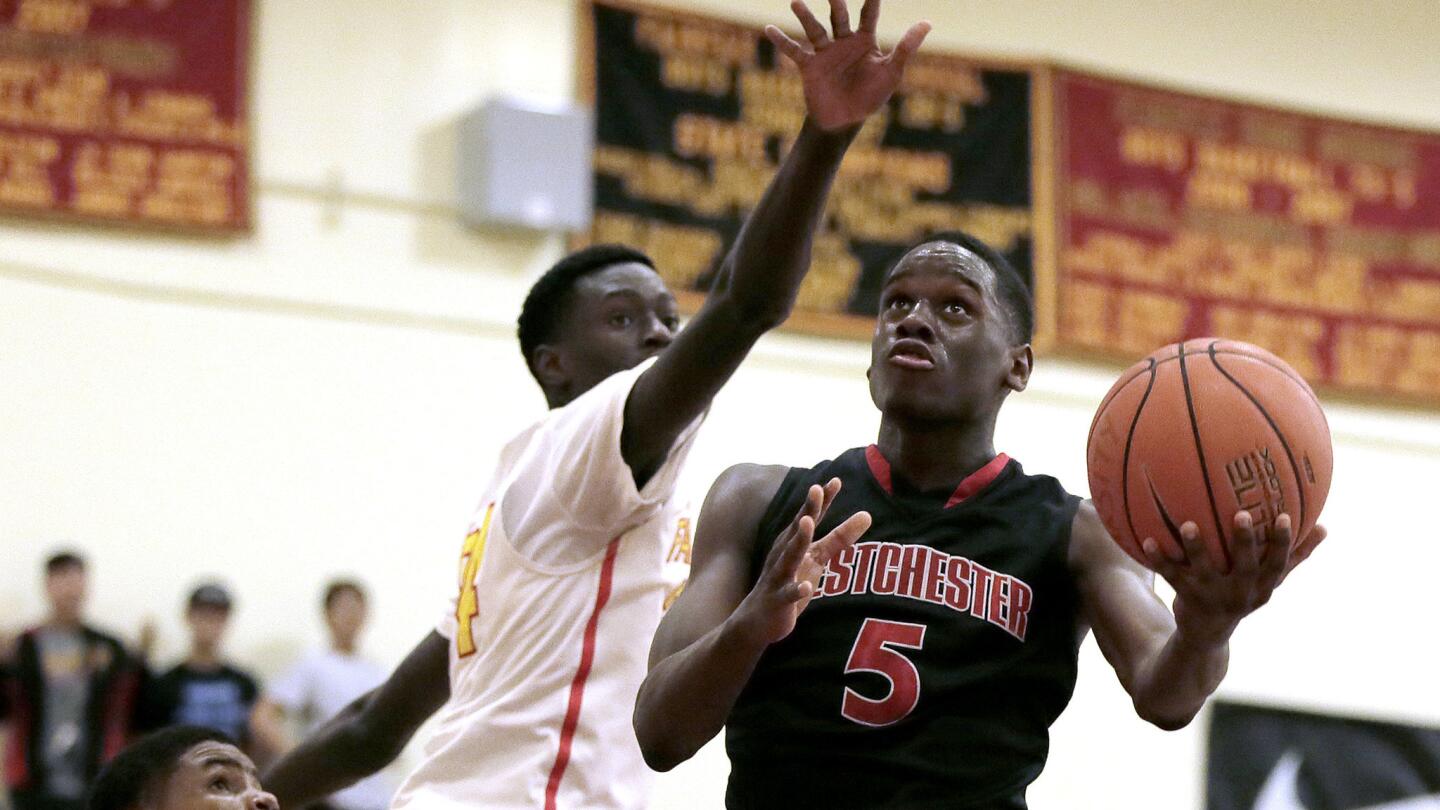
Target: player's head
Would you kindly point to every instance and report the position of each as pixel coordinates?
(181, 768)
(207, 612)
(597, 311)
(66, 586)
(345, 611)
(953, 335)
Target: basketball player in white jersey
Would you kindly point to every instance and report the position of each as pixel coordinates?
(539, 658)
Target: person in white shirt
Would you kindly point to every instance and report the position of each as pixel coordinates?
(320, 685)
(535, 665)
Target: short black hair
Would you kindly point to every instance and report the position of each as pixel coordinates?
(1010, 286)
(210, 595)
(341, 586)
(62, 560)
(129, 779)
(546, 302)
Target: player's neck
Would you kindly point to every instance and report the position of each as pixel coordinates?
(935, 457)
(203, 659)
(343, 646)
(68, 624)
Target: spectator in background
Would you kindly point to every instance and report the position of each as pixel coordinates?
(203, 690)
(69, 698)
(181, 768)
(322, 684)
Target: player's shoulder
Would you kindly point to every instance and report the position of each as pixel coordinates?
(1091, 546)
(743, 487)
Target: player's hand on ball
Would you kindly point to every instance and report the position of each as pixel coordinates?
(847, 77)
(794, 566)
(1209, 600)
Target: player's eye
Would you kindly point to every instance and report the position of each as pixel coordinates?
(221, 784)
(957, 307)
(671, 322)
(899, 302)
(621, 320)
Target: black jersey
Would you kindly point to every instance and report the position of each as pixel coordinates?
(932, 661)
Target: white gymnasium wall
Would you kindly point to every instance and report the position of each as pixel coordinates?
(326, 396)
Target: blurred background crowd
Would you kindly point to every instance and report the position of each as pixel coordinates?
(73, 692)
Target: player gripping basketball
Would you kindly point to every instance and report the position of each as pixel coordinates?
(538, 660)
(923, 666)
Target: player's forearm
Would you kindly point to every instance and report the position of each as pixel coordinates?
(688, 695)
(339, 754)
(761, 275)
(1173, 687)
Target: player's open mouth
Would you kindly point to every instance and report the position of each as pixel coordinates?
(911, 354)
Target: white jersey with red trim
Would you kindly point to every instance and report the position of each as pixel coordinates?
(566, 570)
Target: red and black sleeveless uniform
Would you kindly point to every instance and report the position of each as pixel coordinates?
(935, 656)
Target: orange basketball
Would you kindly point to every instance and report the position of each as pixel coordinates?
(1199, 431)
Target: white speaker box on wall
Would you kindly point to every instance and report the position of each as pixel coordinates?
(526, 164)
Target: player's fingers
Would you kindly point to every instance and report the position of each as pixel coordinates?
(1195, 554)
(813, 29)
(800, 591)
(795, 552)
(777, 548)
(810, 507)
(839, 19)
(908, 45)
(869, 16)
(855, 526)
(832, 489)
(793, 50)
(1159, 562)
(1246, 544)
(1276, 554)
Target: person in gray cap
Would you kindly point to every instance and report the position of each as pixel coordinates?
(203, 690)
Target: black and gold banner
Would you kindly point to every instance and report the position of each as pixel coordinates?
(693, 115)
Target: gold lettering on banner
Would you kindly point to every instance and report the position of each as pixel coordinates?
(738, 107)
(118, 140)
(1295, 233)
(53, 16)
(25, 162)
(682, 254)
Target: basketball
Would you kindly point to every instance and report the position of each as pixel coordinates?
(1201, 430)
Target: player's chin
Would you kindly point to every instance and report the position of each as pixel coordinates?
(915, 403)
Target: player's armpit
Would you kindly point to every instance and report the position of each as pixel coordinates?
(369, 733)
(1167, 678)
(696, 669)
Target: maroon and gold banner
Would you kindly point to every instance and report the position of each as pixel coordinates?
(693, 114)
(1181, 216)
(126, 111)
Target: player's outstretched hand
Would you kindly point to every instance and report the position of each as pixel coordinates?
(1209, 600)
(794, 566)
(847, 77)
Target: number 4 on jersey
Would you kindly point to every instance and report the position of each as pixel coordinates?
(468, 607)
(873, 653)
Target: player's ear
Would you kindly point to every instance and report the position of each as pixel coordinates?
(1022, 362)
(548, 364)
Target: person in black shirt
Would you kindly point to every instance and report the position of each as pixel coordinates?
(203, 690)
(67, 696)
(924, 666)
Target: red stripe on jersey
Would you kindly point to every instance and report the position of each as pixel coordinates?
(577, 686)
(978, 480)
(973, 483)
(880, 468)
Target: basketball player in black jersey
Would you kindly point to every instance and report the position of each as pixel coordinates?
(923, 666)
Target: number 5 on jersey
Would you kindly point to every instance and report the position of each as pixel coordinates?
(468, 606)
(873, 653)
